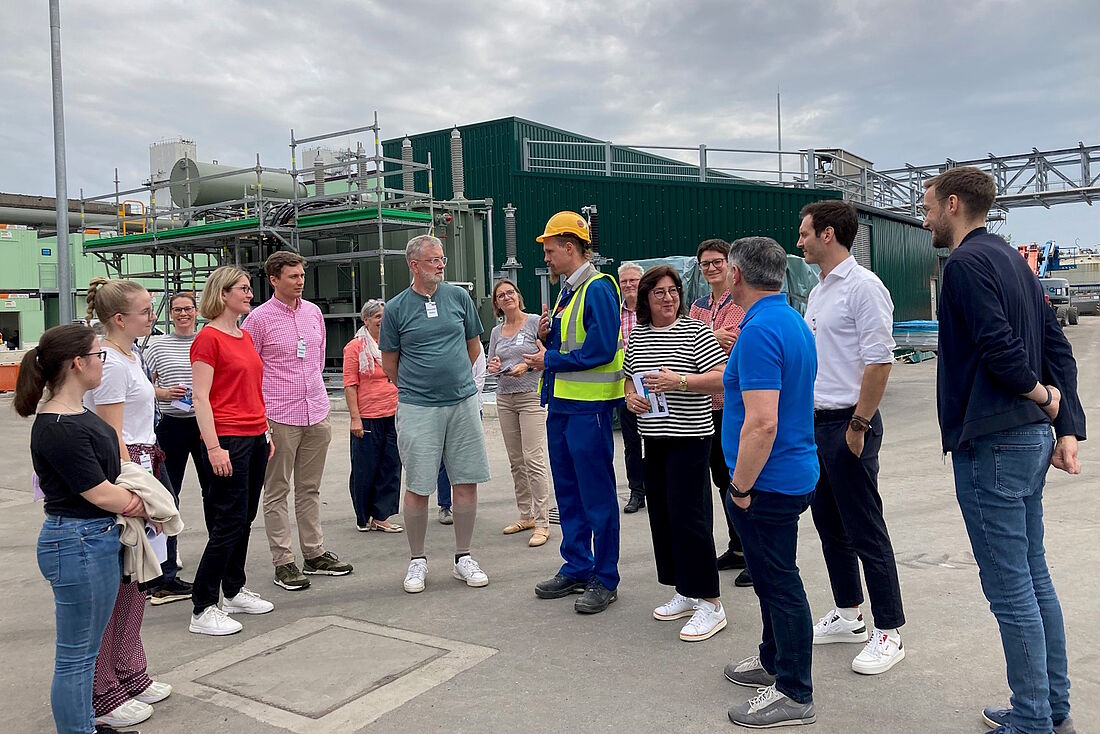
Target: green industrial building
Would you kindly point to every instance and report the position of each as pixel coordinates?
(483, 179)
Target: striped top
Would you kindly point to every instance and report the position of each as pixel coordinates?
(169, 358)
(687, 347)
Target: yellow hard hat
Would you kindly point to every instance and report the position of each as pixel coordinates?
(566, 223)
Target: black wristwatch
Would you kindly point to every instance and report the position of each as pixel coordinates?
(735, 491)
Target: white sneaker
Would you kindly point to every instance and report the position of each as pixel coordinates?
(707, 621)
(467, 570)
(676, 607)
(246, 602)
(835, 628)
(128, 713)
(155, 693)
(213, 621)
(414, 579)
(882, 652)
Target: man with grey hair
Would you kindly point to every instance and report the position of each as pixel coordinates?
(430, 337)
(768, 440)
(630, 275)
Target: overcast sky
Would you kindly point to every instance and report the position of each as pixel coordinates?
(897, 82)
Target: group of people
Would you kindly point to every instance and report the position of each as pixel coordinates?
(777, 409)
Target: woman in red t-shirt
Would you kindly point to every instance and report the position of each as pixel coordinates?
(372, 401)
(229, 406)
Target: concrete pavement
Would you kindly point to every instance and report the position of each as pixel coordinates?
(358, 654)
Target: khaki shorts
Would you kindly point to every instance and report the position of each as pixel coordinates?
(452, 434)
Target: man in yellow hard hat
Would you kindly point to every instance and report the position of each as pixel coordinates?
(582, 385)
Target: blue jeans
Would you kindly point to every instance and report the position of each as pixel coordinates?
(443, 488)
(769, 534)
(82, 560)
(999, 482)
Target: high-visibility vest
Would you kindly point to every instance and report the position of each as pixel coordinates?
(604, 382)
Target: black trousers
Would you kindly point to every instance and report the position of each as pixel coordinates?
(229, 505)
(681, 514)
(375, 481)
(179, 439)
(632, 451)
(720, 475)
(847, 511)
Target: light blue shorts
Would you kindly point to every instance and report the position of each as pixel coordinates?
(452, 434)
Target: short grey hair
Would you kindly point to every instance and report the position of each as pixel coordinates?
(761, 260)
(371, 307)
(418, 243)
(631, 265)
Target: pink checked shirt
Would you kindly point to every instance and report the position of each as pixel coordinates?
(629, 321)
(294, 391)
(727, 315)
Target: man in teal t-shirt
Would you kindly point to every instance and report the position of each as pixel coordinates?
(429, 338)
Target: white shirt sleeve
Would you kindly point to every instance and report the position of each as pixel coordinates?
(874, 313)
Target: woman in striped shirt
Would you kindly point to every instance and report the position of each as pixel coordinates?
(678, 358)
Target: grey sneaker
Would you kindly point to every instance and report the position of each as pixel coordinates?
(445, 516)
(749, 673)
(996, 716)
(326, 564)
(770, 708)
(290, 577)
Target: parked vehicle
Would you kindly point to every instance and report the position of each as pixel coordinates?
(1086, 298)
(1058, 294)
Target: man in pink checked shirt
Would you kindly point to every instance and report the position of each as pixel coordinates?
(289, 334)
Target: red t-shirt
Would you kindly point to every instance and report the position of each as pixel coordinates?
(236, 394)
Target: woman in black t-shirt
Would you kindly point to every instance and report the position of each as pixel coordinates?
(76, 457)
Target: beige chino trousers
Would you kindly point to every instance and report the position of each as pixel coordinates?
(523, 425)
(299, 451)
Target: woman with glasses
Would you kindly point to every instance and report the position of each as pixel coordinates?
(723, 316)
(375, 481)
(125, 399)
(680, 358)
(77, 461)
(169, 363)
(522, 417)
(227, 376)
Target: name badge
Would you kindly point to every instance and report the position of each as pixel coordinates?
(431, 309)
(147, 463)
(301, 348)
(519, 339)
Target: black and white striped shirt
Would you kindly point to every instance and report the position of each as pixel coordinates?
(687, 347)
(169, 357)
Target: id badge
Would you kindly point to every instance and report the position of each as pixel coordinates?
(301, 348)
(431, 309)
(519, 339)
(147, 463)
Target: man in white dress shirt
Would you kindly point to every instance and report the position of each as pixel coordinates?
(851, 316)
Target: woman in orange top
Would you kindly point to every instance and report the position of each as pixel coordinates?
(372, 401)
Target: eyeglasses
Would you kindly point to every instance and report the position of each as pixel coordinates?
(241, 288)
(145, 312)
(506, 294)
(436, 261)
(662, 293)
(709, 264)
(183, 309)
(102, 354)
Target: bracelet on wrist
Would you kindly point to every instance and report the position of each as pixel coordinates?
(1050, 398)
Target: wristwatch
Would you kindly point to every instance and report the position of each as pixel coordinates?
(858, 424)
(735, 491)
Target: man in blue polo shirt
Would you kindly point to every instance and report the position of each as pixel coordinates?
(768, 440)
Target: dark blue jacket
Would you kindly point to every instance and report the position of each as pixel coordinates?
(998, 337)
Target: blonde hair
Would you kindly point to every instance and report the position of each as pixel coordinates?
(213, 295)
(108, 297)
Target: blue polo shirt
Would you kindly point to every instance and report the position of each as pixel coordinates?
(775, 351)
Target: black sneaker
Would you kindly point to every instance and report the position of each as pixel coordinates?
(744, 579)
(558, 587)
(595, 599)
(996, 716)
(176, 590)
(635, 503)
(730, 560)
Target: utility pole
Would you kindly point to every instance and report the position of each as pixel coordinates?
(64, 266)
(779, 134)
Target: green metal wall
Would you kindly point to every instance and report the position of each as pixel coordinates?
(639, 217)
(903, 257)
